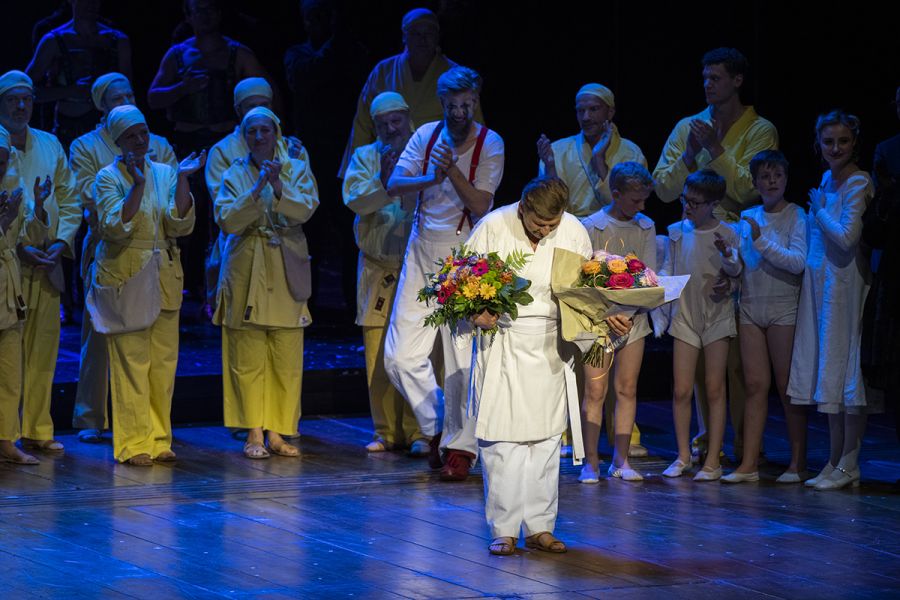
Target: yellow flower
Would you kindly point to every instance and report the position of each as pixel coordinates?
(487, 291)
(631, 256)
(617, 265)
(470, 291)
(591, 267)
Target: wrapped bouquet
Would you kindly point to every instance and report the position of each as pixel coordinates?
(468, 283)
(590, 291)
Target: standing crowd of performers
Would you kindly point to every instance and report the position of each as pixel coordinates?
(420, 172)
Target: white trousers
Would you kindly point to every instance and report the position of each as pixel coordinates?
(521, 486)
(409, 345)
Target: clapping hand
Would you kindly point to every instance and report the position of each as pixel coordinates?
(816, 201)
(602, 145)
(722, 245)
(9, 208)
(545, 154)
(192, 163)
(135, 168)
(41, 192)
(443, 159)
(389, 159)
(295, 146)
(754, 227)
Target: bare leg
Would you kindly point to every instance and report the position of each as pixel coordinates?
(755, 358)
(596, 380)
(684, 362)
(625, 378)
(780, 342)
(716, 355)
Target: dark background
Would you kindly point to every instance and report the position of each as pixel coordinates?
(805, 59)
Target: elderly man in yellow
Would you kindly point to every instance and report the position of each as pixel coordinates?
(584, 161)
(16, 227)
(413, 74)
(142, 206)
(40, 155)
(87, 155)
(724, 137)
(264, 284)
(382, 227)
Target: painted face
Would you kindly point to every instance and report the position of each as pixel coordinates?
(591, 113)
(251, 102)
(421, 39)
(119, 93)
(770, 182)
(392, 128)
(696, 208)
(15, 108)
(260, 135)
(4, 162)
(459, 112)
(718, 85)
(836, 143)
(135, 139)
(536, 227)
(630, 201)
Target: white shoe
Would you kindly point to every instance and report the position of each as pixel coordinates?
(420, 448)
(788, 477)
(637, 451)
(705, 474)
(624, 474)
(735, 477)
(588, 474)
(677, 468)
(839, 479)
(823, 474)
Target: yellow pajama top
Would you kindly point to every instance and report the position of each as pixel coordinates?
(572, 156)
(125, 248)
(24, 229)
(253, 287)
(749, 135)
(43, 156)
(227, 150)
(394, 75)
(381, 228)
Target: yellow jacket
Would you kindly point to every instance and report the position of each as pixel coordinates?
(253, 285)
(572, 156)
(749, 134)
(125, 248)
(43, 156)
(26, 230)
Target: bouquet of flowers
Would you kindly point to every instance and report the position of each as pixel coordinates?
(590, 291)
(469, 283)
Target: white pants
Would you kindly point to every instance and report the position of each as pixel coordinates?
(521, 486)
(409, 345)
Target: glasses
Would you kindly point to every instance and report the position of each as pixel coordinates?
(692, 204)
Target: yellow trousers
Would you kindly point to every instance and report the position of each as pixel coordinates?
(40, 340)
(262, 375)
(142, 378)
(93, 379)
(10, 382)
(394, 420)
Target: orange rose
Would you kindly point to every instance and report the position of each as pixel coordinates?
(617, 265)
(591, 267)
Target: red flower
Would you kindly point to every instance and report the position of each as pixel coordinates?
(480, 268)
(620, 281)
(635, 266)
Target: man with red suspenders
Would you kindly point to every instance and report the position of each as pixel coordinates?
(455, 165)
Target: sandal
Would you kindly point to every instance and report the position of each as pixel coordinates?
(284, 449)
(255, 451)
(48, 446)
(545, 542)
(503, 546)
(19, 458)
(140, 460)
(166, 456)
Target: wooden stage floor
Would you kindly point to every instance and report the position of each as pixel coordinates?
(337, 523)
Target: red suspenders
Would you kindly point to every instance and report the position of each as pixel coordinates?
(476, 155)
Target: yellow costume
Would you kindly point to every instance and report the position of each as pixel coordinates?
(142, 363)
(748, 135)
(572, 157)
(23, 229)
(42, 156)
(382, 229)
(87, 155)
(394, 74)
(262, 321)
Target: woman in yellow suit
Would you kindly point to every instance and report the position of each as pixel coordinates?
(264, 284)
(17, 226)
(142, 205)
